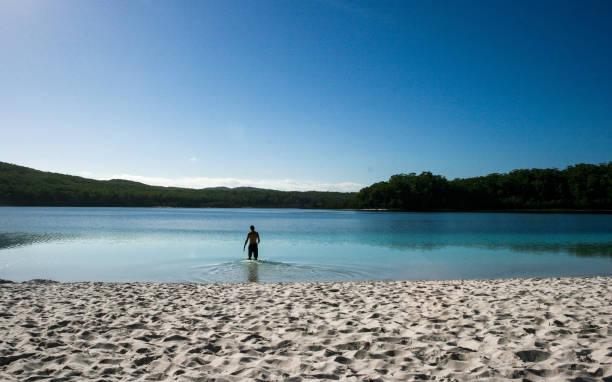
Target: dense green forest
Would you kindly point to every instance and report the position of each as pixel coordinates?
(22, 186)
(583, 187)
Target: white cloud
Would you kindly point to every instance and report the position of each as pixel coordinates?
(193, 159)
(274, 184)
(86, 174)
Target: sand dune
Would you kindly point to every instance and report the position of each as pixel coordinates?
(535, 329)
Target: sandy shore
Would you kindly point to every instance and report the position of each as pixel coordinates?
(535, 329)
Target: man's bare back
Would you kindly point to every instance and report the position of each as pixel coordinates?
(253, 239)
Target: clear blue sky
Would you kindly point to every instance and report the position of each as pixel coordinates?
(304, 94)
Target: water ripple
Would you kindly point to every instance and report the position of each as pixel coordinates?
(18, 239)
(266, 270)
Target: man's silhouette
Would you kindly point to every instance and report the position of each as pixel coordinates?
(253, 237)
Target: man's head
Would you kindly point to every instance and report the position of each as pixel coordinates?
(252, 228)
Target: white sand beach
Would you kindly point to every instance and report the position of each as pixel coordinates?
(522, 329)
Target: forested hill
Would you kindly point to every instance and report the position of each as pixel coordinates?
(581, 187)
(23, 186)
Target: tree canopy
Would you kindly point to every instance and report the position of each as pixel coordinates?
(582, 186)
(22, 186)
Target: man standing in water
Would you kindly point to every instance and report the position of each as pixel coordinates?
(253, 237)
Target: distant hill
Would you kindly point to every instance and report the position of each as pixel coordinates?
(579, 187)
(23, 186)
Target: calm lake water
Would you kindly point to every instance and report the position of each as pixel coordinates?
(205, 245)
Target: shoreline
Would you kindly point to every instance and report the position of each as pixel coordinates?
(532, 328)
(228, 283)
(517, 211)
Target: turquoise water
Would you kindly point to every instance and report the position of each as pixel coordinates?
(173, 244)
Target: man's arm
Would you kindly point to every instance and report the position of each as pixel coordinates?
(245, 241)
(258, 239)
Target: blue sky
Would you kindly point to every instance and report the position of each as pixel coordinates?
(325, 94)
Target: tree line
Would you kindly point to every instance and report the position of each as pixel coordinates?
(22, 186)
(583, 186)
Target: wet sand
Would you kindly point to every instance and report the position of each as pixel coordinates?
(535, 329)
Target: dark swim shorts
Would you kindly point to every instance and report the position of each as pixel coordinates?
(253, 250)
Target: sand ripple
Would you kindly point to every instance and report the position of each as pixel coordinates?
(523, 329)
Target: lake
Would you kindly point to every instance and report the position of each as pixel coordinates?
(205, 245)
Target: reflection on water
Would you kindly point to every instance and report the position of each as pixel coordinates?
(603, 249)
(16, 239)
(153, 244)
(252, 271)
(575, 249)
(581, 249)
